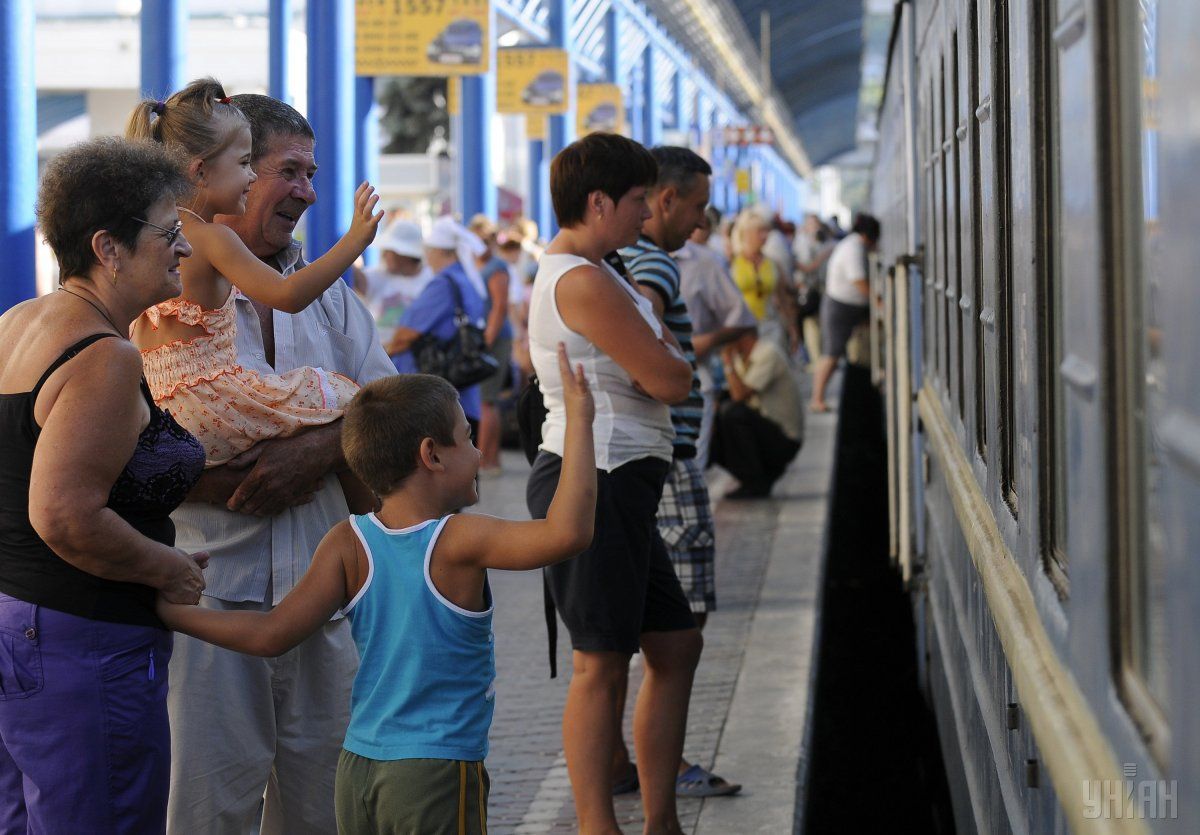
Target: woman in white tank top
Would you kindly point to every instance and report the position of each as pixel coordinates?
(621, 595)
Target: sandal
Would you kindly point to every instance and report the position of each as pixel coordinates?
(699, 782)
(627, 784)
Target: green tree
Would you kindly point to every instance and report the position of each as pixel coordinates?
(414, 112)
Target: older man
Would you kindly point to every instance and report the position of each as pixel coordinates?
(240, 725)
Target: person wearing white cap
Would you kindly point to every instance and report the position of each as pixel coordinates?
(390, 287)
(433, 311)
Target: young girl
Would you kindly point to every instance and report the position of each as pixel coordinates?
(188, 343)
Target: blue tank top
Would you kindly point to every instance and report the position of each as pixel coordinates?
(426, 676)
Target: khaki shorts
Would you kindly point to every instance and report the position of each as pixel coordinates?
(413, 797)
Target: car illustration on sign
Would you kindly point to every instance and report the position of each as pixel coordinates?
(461, 42)
(602, 117)
(544, 91)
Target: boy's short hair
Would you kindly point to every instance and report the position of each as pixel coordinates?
(386, 422)
(606, 162)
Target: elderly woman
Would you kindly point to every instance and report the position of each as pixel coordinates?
(769, 293)
(621, 594)
(434, 310)
(90, 470)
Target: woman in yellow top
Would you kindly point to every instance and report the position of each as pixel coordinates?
(757, 277)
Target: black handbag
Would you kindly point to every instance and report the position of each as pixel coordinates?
(808, 301)
(463, 358)
(531, 414)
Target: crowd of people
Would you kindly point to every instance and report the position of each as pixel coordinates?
(210, 434)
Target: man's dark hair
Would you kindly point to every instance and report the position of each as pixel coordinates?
(386, 422)
(867, 226)
(103, 183)
(606, 162)
(268, 119)
(678, 167)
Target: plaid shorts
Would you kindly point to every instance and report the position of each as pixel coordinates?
(686, 524)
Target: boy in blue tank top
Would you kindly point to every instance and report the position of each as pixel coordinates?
(412, 579)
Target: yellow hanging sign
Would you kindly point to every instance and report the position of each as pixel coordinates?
(421, 37)
(537, 126)
(532, 81)
(453, 96)
(599, 107)
(742, 178)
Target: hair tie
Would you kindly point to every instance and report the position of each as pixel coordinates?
(224, 100)
(158, 108)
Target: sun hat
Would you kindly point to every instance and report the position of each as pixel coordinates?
(403, 237)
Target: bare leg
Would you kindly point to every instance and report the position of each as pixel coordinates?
(589, 724)
(489, 436)
(825, 366)
(660, 721)
(620, 760)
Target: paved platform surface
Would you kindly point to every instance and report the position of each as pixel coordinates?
(752, 693)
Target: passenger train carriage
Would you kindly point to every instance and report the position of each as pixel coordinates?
(1038, 343)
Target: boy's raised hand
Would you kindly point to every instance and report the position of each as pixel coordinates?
(577, 397)
(365, 222)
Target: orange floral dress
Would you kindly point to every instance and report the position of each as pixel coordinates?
(228, 407)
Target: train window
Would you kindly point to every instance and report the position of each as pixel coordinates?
(1142, 381)
(931, 322)
(944, 216)
(1005, 303)
(976, 236)
(956, 186)
(1052, 409)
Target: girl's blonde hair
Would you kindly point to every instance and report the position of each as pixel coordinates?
(198, 121)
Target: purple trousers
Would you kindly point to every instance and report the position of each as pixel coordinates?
(84, 741)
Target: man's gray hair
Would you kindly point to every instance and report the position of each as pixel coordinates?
(678, 166)
(268, 119)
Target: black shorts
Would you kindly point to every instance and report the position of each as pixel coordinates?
(624, 583)
(838, 321)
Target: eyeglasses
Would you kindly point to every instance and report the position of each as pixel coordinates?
(170, 234)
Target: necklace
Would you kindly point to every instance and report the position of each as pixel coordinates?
(98, 308)
(190, 212)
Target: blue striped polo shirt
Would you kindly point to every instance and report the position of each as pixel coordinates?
(653, 267)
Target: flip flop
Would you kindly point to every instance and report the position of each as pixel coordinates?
(628, 783)
(699, 782)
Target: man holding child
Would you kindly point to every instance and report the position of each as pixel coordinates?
(242, 725)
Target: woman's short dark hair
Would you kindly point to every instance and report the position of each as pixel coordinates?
(102, 183)
(386, 422)
(606, 162)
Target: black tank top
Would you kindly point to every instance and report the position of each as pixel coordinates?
(166, 462)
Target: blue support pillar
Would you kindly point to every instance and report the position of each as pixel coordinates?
(679, 102)
(539, 188)
(477, 104)
(612, 45)
(330, 28)
(18, 154)
(279, 20)
(366, 141)
(651, 106)
(562, 128)
(163, 27)
(636, 124)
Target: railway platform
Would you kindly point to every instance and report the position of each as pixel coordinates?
(751, 704)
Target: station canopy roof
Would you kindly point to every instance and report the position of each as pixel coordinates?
(816, 49)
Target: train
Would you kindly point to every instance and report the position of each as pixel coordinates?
(1035, 340)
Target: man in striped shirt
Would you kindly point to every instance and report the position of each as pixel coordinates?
(677, 203)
